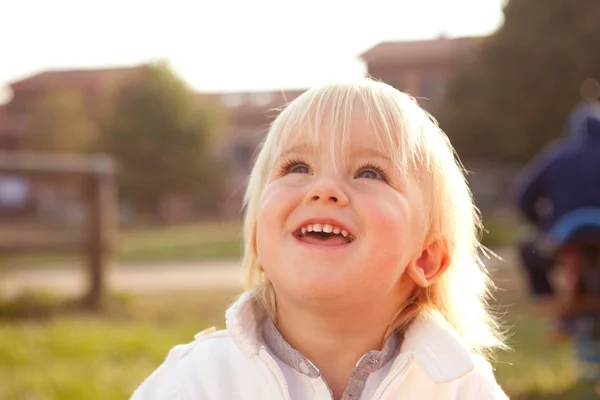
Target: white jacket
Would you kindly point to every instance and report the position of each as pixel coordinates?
(235, 364)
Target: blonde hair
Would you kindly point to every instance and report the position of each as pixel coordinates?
(417, 145)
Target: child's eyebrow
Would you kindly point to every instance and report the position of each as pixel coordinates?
(354, 153)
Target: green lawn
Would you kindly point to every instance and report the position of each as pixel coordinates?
(206, 240)
(501, 232)
(86, 357)
(78, 356)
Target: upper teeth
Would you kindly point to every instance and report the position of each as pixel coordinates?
(323, 228)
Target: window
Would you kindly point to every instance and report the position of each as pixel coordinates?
(232, 100)
(262, 99)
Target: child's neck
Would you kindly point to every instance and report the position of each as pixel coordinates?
(334, 338)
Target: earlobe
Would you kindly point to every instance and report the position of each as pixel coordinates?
(432, 262)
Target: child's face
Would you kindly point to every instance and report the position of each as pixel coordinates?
(381, 211)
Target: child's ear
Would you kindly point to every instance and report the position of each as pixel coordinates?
(432, 262)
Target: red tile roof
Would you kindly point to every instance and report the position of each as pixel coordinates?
(421, 51)
(73, 77)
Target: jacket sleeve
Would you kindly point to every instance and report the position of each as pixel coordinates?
(159, 385)
(490, 390)
(164, 383)
(530, 186)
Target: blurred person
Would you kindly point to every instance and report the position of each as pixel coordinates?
(559, 194)
(363, 272)
(562, 179)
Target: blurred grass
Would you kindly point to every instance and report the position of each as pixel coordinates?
(78, 356)
(534, 369)
(101, 357)
(206, 240)
(501, 232)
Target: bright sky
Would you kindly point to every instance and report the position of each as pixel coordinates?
(225, 45)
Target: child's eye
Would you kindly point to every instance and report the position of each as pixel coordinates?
(371, 172)
(299, 169)
(368, 173)
(294, 167)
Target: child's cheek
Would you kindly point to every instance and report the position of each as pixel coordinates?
(276, 193)
(277, 202)
(393, 225)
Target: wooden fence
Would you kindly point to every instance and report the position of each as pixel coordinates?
(97, 175)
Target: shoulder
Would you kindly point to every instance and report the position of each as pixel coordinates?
(446, 360)
(209, 346)
(189, 366)
(439, 352)
(473, 382)
(487, 386)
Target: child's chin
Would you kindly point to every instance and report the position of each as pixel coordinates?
(322, 286)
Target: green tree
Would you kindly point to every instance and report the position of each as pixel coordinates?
(161, 135)
(516, 97)
(60, 123)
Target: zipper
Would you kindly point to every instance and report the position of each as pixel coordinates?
(399, 370)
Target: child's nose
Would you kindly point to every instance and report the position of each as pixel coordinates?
(327, 192)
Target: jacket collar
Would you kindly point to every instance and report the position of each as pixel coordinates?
(429, 340)
(437, 349)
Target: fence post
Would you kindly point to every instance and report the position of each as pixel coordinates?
(101, 232)
(97, 174)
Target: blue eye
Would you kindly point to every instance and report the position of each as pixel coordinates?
(294, 166)
(371, 172)
(299, 169)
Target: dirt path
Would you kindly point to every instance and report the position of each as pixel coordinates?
(147, 277)
(133, 278)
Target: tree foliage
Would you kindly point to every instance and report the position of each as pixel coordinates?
(160, 133)
(516, 97)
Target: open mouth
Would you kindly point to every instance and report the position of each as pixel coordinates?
(324, 234)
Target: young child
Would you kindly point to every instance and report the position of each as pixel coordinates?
(361, 253)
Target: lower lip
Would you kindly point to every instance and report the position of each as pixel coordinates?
(317, 246)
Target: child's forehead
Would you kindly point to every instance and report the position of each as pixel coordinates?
(356, 134)
(351, 149)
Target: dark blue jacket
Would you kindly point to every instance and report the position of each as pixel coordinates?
(567, 174)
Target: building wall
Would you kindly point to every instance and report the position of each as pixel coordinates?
(422, 69)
